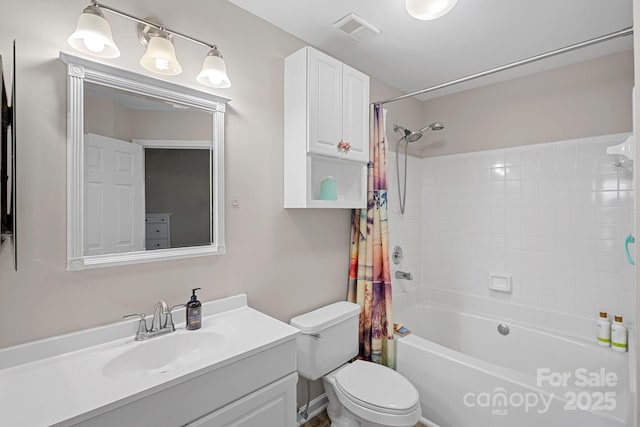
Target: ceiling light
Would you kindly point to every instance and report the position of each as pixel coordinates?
(427, 10)
(214, 70)
(93, 34)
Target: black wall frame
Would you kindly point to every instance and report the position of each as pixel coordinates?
(8, 163)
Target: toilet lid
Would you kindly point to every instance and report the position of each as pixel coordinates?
(377, 387)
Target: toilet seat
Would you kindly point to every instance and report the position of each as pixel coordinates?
(377, 388)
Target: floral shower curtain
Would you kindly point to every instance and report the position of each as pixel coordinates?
(369, 272)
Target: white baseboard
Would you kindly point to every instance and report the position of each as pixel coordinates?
(316, 406)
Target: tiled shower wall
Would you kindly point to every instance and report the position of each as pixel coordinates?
(553, 216)
(405, 230)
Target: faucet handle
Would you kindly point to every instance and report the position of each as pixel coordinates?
(127, 316)
(142, 325)
(176, 306)
(168, 321)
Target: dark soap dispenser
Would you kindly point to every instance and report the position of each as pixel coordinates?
(194, 312)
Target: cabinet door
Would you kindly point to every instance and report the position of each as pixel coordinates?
(273, 405)
(355, 125)
(325, 103)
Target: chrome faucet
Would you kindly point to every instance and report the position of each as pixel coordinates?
(159, 316)
(162, 322)
(404, 275)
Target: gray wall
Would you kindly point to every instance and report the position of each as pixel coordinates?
(287, 261)
(579, 100)
(295, 255)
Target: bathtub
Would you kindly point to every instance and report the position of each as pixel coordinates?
(470, 375)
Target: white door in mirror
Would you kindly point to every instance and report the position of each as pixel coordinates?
(114, 196)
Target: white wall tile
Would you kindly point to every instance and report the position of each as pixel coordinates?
(553, 215)
(405, 229)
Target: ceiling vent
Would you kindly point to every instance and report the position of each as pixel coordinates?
(356, 27)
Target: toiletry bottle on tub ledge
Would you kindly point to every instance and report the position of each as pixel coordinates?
(618, 334)
(603, 328)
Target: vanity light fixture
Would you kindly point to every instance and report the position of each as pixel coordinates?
(93, 34)
(214, 70)
(93, 37)
(427, 10)
(160, 57)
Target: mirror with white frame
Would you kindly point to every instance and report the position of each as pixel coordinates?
(145, 168)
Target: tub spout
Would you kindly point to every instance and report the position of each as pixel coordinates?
(404, 275)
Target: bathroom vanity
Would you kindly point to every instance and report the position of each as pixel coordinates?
(238, 368)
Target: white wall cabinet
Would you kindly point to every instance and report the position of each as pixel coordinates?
(326, 107)
(338, 103)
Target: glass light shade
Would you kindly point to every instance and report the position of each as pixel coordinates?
(93, 36)
(427, 10)
(160, 57)
(214, 71)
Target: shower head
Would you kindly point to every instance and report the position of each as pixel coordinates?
(407, 135)
(413, 136)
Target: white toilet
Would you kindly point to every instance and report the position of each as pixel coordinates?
(360, 393)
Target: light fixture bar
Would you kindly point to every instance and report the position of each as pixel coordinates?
(151, 24)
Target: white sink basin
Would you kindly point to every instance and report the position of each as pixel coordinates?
(161, 354)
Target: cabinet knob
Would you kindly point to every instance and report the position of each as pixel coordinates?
(344, 146)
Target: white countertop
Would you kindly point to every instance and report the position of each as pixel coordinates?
(64, 386)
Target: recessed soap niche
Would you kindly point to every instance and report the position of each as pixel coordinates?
(500, 282)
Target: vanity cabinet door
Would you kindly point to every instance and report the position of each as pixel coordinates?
(273, 405)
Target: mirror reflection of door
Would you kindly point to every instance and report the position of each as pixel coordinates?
(114, 196)
(166, 148)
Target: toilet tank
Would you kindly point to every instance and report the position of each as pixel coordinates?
(329, 338)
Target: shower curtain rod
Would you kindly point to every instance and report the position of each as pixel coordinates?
(622, 33)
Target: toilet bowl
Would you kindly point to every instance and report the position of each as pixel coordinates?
(370, 395)
(361, 394)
